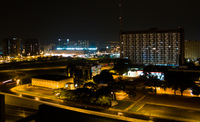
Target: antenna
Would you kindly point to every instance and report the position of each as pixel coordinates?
(120, 16)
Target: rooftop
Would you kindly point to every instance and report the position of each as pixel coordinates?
(52, 77)
(152, 30)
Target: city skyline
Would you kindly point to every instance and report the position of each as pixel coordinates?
(94, 20)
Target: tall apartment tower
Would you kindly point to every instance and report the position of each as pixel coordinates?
(32, 47)
(156, 47)
(12, 47)
(192, 49)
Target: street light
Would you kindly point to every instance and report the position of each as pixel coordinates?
(18, 81)
(113, 95)
(37, 98)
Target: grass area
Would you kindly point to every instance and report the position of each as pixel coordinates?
(122, 105)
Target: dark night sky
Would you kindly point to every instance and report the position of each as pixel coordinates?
(96, 20)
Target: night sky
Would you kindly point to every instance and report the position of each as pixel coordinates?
(96, 20)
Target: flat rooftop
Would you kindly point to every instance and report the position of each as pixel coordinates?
(51, 77)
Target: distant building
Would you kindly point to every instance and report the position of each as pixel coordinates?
(92, 44)
(68, 44)
(156, 47)
(62, 43)
(112, 47)
(88, 70)
(192, 49)
(66, 47)
(49, 47)
(1, 49)
(32, 47)
(12, 47)
(53, 81)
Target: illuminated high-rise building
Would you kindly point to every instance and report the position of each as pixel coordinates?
(156, 47)
(32, 47)
(192, 49)
(62, 43)
(12, 47)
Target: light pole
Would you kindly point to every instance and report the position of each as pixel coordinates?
(113, 95)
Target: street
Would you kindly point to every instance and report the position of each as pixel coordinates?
(154, 106)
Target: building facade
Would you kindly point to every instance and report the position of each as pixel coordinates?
(156, 47)
(32, 47)
(192, 49)
(53, 81)
(12, 47)
(85, 69)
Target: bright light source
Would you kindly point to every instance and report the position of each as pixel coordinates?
(37, 98)
(18, 81)
(57, 94)
(120, 114)
(7, 81)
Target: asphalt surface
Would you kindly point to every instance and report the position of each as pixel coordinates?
(171, 111)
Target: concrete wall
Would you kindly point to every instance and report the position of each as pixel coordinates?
(21, 102)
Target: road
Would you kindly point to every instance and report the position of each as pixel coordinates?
(139, 115)
(56, 102)
(170, 111)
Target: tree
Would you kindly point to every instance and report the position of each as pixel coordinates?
(147, 69)
(103, 100)
(172, 82)
(97, 79)
(185, 82)
(153, 81)
(164, 85)
(196, 90)
(116, 86)
(122, 65)
(179, 80)
(90, 85)
(104, 77)
(83, 94)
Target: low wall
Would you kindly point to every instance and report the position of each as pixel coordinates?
(20, 101)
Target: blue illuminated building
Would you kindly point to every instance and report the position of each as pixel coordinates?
(66, 44)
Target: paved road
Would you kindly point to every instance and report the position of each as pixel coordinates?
(170, 111)
(128, 114)
(140, 116)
